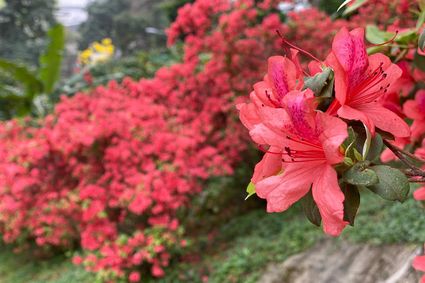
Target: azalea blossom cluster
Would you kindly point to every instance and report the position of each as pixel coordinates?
(309, 121)
(302, 142)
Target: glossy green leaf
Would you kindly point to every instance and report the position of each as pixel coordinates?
(421, 41)
(419, 61)
(310, 209)
(392, 185)
(23, 76)
(406, 37)
(351, 202)
(51, 59)
(421, 19)
(361, 175)
(321, 84)
(250, 189)
(352, 8)
(375, 148)
(376, 36)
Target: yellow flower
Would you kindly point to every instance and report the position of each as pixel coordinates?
(97, 52)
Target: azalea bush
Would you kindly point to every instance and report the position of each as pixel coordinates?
(112, 170)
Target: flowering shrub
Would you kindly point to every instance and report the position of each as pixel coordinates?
(82, 175)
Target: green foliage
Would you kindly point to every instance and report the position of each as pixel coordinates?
(360, 174)
(125, 21)
(250, 189)
(386, 222)
(51, 59)
(376, 36)
(23, 26)
(21, 86)
(22, 75)
(421, 40)
(171, 7)
(351, 202)
(393, 184)
(140, 65)
(329, 6)
(311, 211)
(16, 268)
(354, 5)
(321, 84)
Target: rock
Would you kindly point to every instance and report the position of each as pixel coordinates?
(332, 261)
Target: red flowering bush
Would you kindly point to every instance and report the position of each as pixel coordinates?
(110, 169)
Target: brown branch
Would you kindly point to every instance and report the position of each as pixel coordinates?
(416, 174)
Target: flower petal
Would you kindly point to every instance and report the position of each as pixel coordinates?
(419, 263)
(248, 115)
(354, 114)
(263, 135)
(284, 190)
(333, 133)
(419, 194)
(341, 80)
(330, 200)
(277, 76)
(350, 50)
(385, 119)
(270, 165)
(283, 76)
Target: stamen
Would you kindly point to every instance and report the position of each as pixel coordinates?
(276, 104)
(260, 147)
(306, 53)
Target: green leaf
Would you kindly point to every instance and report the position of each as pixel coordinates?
(392, 185)
(375, 148)
(22, 75)
(421, 41)
(375, 49)
(250, 190)
(351, 202)
(356, 4)
(343, 4)
(406, 37)
(421, 19)
(376, 36)
(310, 209)
(321, 84)
(360, 175)
(419, 61)
(51, 59)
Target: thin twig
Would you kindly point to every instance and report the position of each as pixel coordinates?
(416, 174)
(405, 152)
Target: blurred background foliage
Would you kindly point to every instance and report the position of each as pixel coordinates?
(30, 34)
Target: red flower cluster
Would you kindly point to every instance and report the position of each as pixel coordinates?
(111, 168)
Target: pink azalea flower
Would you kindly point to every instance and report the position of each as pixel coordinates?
(308, 143)
(283, 76)
(415, 109)
(360, 80)
(419, 194)
(134, 277)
